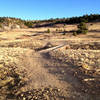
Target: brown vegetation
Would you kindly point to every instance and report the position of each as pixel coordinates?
(35, 64)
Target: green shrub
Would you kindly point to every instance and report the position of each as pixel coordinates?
(0, 26)
(56, 30)
(29, 24)
(82, 28)
(48, 30)
(75, 33)
(82, 31)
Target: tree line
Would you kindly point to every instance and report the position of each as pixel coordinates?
(50, 22)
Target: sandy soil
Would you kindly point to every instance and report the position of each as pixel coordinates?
(50, 68)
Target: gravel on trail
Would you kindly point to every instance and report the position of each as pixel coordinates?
(23, 71)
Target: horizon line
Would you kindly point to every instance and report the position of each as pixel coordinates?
(48, 18)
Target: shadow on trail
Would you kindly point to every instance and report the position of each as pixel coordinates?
(63, 70)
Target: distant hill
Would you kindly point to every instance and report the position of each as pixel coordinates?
(7, 23)
(72, 20)
(11, 23)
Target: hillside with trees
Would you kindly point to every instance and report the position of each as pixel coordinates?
(11, 22)
(72, 20)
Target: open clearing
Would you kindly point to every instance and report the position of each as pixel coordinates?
(51, 66)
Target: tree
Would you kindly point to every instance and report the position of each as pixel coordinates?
(29, 24)
(82, 28)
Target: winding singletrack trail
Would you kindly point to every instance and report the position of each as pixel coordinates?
(46, 72)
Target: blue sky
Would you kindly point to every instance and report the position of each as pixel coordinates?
(45, 9)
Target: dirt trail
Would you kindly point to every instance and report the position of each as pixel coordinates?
(39, 76)
(46, 72)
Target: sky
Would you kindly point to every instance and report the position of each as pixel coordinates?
(46, 9)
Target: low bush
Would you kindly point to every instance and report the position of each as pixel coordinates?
(48, 30)
(29, 24)
(82, 28)
(75, 33)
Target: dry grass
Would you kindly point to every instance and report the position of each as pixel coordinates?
(60, 68)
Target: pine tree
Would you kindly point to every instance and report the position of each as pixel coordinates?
(82, 28)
